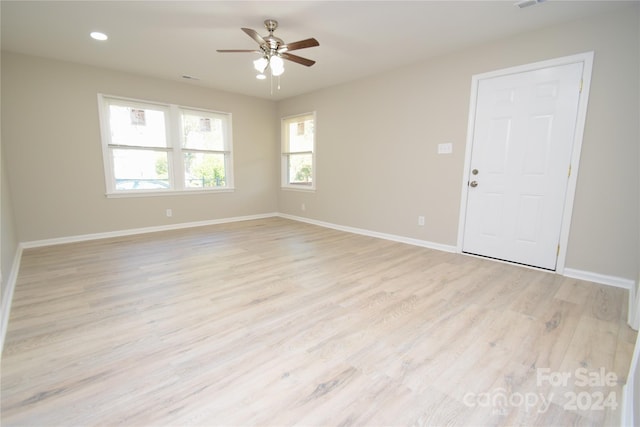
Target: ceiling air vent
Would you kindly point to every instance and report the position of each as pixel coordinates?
(526, 3)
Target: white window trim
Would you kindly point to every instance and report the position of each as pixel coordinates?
(284, 164)
(173, 132)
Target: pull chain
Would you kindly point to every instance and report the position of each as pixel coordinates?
(271, 83)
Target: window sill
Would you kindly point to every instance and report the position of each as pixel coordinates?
(304, 189)
(124, 194)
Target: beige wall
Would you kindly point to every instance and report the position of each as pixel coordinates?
(8, 238)
(377, 138)
(378, 167)
(53, 153)
(635, 369)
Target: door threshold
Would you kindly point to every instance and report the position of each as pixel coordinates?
(504, 261)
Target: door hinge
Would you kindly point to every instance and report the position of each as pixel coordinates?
(581, 82)
(558, 251)
(569, 174)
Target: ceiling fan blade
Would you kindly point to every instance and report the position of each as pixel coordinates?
(254, 35)
(302, 44)
(237, 50)
(298, 59)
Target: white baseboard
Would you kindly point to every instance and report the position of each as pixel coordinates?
(634, 308)
(603, 279)
(7, 296)
(133, 231)
(364, 232)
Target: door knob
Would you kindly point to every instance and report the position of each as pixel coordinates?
(473, 184)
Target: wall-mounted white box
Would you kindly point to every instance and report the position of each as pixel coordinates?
(445, 148)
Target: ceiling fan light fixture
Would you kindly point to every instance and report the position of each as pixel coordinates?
(260, 64)
(276, 62)
(277, 71)
(277, 65)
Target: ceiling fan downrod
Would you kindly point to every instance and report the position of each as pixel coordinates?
(271, 25)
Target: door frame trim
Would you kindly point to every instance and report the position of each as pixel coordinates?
(587, 59)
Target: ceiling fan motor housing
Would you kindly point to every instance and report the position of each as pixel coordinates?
(273, 43)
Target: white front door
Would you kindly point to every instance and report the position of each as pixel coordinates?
(520, 163)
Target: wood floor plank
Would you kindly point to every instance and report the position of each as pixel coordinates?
(276, 322)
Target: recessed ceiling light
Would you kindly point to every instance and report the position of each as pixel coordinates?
(261, 77)
(96, 35)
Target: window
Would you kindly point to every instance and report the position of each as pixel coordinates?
(158, 148)
(298, 151)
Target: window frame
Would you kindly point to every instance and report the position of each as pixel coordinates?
(286, 153)
(174, 134)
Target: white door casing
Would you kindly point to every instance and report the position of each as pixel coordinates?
(523, 146)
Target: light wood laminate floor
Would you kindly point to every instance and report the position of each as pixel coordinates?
(276, 322)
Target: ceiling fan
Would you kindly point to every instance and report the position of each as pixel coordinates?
(274, 49)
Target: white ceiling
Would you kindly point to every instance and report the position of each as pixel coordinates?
(168, 39)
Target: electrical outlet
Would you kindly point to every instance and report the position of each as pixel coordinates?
(446, 148)
(169, 213)
(420, 220)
